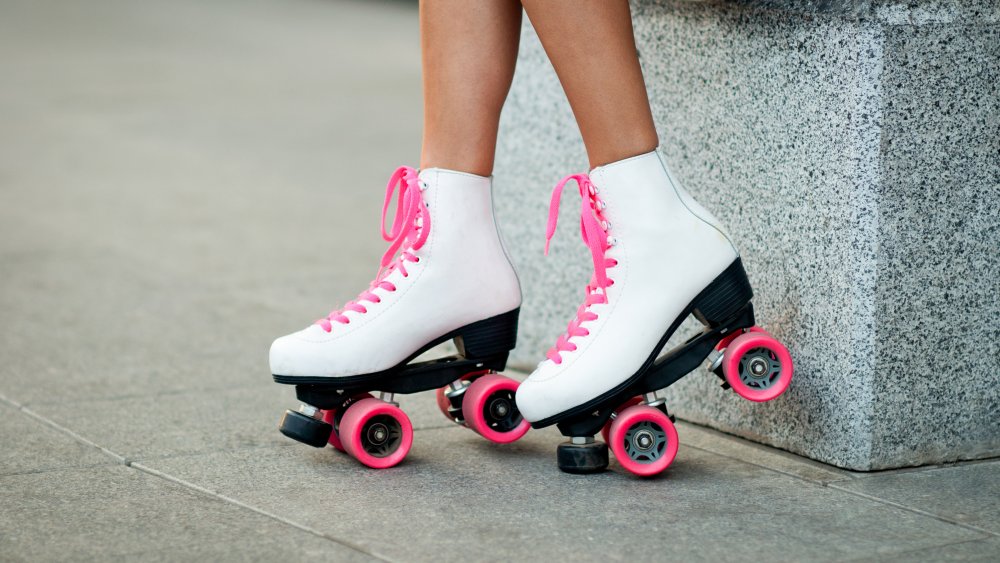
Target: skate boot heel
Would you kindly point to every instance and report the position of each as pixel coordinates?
(726, 296)
(490, 337)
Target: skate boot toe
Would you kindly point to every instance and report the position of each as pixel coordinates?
(549, 391)
(298, 354)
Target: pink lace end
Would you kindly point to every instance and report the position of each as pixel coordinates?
(410, 227)
(593, 231)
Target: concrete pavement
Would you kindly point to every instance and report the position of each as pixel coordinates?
(182, 181)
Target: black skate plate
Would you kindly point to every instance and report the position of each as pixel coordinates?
(659, 372)
(418, 377)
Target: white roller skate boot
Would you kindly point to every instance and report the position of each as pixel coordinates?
(445, 276)
(658, 257)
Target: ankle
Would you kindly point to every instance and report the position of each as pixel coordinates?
(470, 160)
(612, 153)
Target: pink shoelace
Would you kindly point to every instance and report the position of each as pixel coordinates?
(594, 228)
(409, 230)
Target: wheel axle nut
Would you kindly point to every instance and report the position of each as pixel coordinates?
(643, 440)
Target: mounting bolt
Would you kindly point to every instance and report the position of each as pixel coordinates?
(310, 411)
(714, 360)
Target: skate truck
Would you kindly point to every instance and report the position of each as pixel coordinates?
(375, 430)
(633, 418)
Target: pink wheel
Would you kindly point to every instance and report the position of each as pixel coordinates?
(333, 417)
(490, 410)
(330, 417)
(376, 433)
(644, 440)
(605, 432)
(757, 367)
(444, 404)
(736, 333)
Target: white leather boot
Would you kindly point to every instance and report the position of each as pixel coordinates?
(445, 270)
(654, 250)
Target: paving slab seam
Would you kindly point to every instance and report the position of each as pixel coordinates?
(9, 401)
(775, 470)
(832, 485)
(919, 469)
(55, 425)
(159, 474)
(914, 510)
(273, 516)
(153, 472)
(846, 474)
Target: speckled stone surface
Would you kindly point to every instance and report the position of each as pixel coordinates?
(852, 149)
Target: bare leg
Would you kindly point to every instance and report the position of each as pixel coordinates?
(591, 46)
(469, 49)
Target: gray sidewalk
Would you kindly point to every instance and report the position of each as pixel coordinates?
(180, 182)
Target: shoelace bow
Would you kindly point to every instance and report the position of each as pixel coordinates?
(594, 228)
(410, 227)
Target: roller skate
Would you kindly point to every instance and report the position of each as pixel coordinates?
(658, 257)
(445, 276)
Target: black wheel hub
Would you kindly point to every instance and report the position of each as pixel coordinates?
(759, 368)
(500, 411)
(381, 435)
(645, 442)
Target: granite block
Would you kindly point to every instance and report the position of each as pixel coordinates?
(938, 297)
(851, 149)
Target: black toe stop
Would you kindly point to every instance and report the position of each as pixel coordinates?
(307, 430)
(582, 458)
